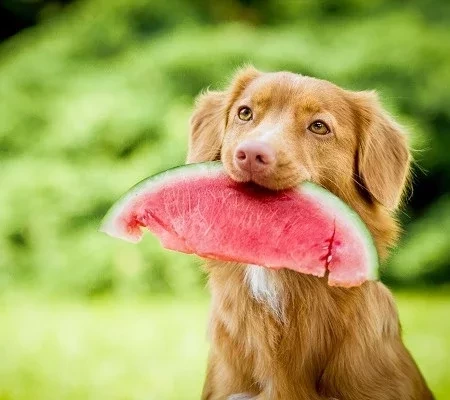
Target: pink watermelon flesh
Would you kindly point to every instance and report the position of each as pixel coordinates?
(199, 209)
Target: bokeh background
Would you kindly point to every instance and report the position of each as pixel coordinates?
(95, 95)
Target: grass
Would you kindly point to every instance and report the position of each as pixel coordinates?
(116, 350)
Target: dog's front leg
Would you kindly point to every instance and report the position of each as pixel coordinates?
(224, 379)
(284, 395)
(247, 396)
(242, 396)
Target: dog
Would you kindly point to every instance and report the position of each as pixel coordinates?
(282, 335)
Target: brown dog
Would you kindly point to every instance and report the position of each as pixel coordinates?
(281, 334)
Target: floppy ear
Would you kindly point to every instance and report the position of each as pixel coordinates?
(209, 119)
(207, 127)
(383, 155)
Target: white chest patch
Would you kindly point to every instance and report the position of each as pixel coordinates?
(263, 288)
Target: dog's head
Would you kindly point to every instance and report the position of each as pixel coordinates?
(278, 129)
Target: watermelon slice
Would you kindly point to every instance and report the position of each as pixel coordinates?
(199, 209)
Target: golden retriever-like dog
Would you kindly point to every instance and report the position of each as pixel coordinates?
(281, 335)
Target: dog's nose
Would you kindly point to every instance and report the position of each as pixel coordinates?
(254, 156)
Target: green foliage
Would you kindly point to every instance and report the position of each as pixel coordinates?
(98, 97)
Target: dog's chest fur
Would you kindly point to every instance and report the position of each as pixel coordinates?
(263, 288)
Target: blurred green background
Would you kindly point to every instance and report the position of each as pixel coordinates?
(96, 95)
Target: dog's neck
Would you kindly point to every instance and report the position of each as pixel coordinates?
(238, 289)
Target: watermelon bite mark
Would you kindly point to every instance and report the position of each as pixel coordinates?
(329, 256)
(198, 209)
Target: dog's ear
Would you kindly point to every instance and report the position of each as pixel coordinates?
(383, 156)
(207, 127)
(209, 119)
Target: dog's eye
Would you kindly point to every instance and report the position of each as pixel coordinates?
(319, 128)
(245, 113)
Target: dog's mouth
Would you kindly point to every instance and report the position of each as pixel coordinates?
(272, 180)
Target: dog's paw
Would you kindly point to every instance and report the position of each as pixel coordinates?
(240, 396)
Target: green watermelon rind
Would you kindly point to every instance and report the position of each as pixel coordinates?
(328, 198)
(215, 168)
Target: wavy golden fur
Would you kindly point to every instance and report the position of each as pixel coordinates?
(327, 342)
